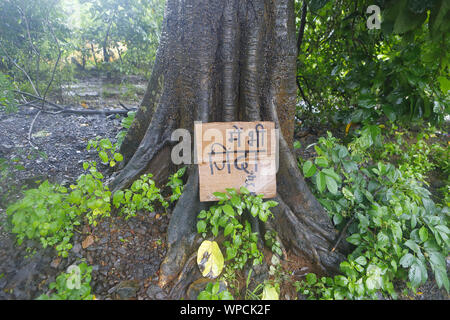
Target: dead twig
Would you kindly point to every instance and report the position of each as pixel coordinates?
(341, 236)
(30, 131)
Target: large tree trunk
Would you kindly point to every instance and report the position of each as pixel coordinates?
(226, 60)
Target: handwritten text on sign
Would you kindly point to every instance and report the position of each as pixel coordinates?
(235, 154)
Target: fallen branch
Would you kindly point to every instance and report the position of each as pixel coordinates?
(80, 111)
(39, 98)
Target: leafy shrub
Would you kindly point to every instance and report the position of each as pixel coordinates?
(106, 151)
(176, 184)
(71, 285)
(44, 214)
(50, 212)
(396, 228)
(142, 194)
(226, 214)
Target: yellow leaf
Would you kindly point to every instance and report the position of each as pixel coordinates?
(87, 242)
(210, 259)
(269, 293)
(347, 128)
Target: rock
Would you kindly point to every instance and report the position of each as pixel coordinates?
(122, 250)
(154, 292)
(127, 290)
(76, 248)
(55, 263)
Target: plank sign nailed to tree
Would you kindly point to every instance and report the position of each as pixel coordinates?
(236, 154)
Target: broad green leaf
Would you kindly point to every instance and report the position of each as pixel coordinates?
(331, 184)
(228, 210)
(320, 182)
(220, 195)
(228, 229)
(103, 156)
(311, 278)
(309, 169)
(321, 162)
(201, 226)
(415, 275)
(118, 157)
(423, 233)
(330, 172)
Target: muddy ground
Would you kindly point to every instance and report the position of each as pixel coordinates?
(125, 255)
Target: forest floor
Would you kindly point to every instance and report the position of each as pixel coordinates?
(125, 254)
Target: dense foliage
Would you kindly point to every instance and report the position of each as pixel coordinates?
(348, 72)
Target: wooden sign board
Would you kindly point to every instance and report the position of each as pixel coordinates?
(235, 154)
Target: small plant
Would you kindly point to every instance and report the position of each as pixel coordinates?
(141, 196)
(176, 184)
(90, 195)
(126, 124)
(44, 214)
(50, 212)
(213, 292)
(106, 151)
(227, 214)
(71, 285)
(396, 228)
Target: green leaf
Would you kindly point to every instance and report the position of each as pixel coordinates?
(321, 162)
(228, 210)
(309, 169)
(228, 229)
(423, 234)
(201, 226)
(354, 239)
(118, 157)
(263, 215)
(415, 275)
(382, 239)
(311, 278)
(412, 245)
(254, 210)
(244, 190)
(331, 184)
(103, 156)
(361, 260)
(320, 182)
(315, 5)
(330, 173)
(220, 195)
(407, 260)
(204, 295)
(105, 144)
(297, 144)
(117, 198)
(441, 278)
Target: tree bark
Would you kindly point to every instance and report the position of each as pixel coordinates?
(225, 60)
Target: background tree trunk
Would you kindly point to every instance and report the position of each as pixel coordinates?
(225, 60)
